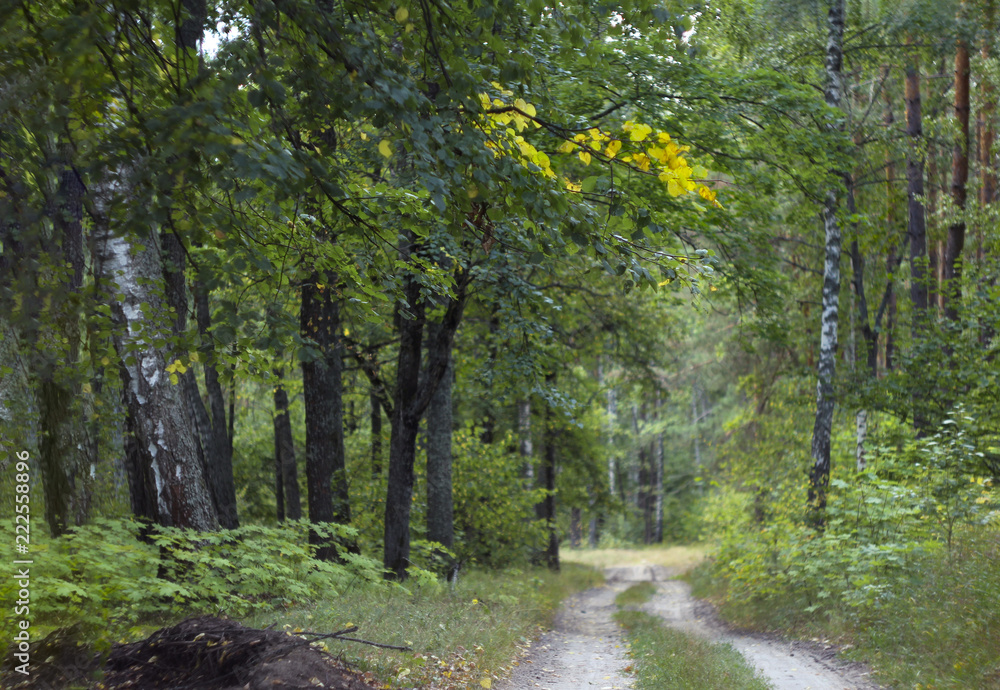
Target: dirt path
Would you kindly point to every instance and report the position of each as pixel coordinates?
(585, 649)
(788, 665)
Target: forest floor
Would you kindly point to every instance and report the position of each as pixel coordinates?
(586, 649)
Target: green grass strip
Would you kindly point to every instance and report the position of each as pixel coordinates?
(636, 594)
(667, 658)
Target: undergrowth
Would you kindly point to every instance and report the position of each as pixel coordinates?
(903, 572)
(114, 586)
(461, 637)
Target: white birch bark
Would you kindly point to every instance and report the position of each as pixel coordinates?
(174, 491)
(819, 477)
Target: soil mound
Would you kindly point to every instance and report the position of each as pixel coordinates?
(209, 653)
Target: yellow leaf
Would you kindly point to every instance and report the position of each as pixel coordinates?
(86, 388)
(486, 683)
(105, 361)
(585, 157)
(640, 132)
(614, 146)
(173, 379)
(195, 357)
(566, 147)
(364, 137)
(402, 14)
(385, 148)
(700, 172)
(674, 187)
(409, 27)
(472, 192)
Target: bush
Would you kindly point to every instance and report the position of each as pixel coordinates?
(104, 576)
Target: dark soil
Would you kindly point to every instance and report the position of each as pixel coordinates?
(203, 653)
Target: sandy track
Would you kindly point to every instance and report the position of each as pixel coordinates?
(585, 649)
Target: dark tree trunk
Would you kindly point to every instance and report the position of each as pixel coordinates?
(952, 288)
(892, 228)
(62, 454)
(403, 439)
(916, 224)
(284, 450)
(658, 477)
(279, 489)
(413, 393)
(322, 387)
(219, 449)
(548, 481)
(440, 510)
(490, 420)
(987, 131)
(575, 527)
(819, 475)
(375, 401)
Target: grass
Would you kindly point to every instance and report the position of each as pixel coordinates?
(667, 658)
(636, 594)
(935, 626)
(462, 637)
(679, 558)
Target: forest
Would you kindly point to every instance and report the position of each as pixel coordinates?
(327, 301)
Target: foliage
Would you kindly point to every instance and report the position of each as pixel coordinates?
(105, 576)
(494, 503)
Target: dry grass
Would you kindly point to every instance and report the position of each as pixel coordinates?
(679, 558)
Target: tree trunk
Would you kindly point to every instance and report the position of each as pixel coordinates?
(819, 476)
(440, 509)
(412, 396)
(916, 224)
(658, 481)
(322, 387)
(376, 432)
(284, 449)
(488, 433)
(952, 288)
(575, 527)
(987, 132)
(62, 454)
(526, 448)
(219, 449)
(551, 555)
(167, 479)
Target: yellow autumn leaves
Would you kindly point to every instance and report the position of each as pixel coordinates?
(661, 157)
(506, 120)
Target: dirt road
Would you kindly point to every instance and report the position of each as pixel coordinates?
(585, 650)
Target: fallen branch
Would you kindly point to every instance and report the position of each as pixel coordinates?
(339, 635)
